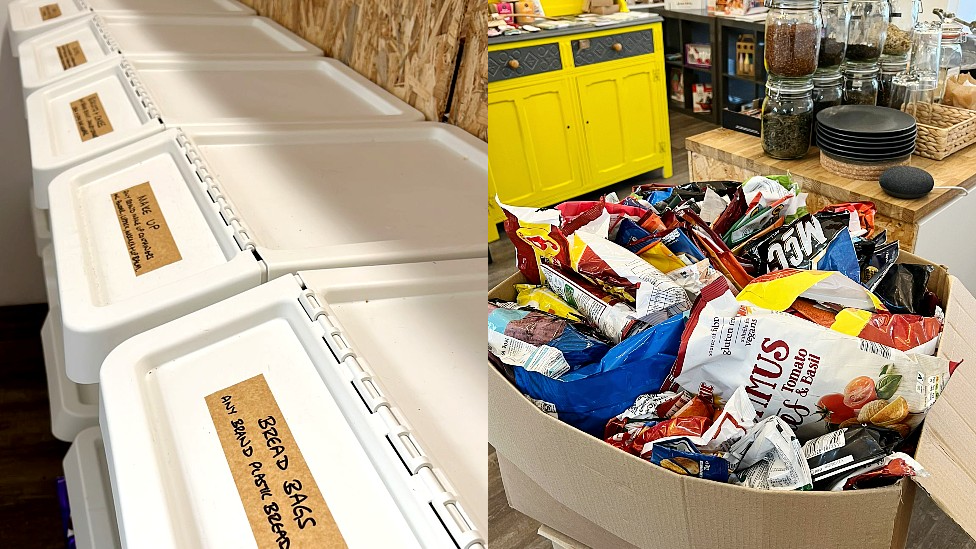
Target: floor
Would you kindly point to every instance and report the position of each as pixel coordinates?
(930, 528)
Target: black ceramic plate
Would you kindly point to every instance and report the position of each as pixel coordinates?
(855, 145)
(865, 120)
(843, 158)
(865, 140)
(883, 157)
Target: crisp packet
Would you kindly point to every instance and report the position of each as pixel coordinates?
(863, 215)
(682, 457)
(903, 287)
(800, 245)
(909, 333)
(536, 236)
(675, 427)
(614, 318)
(778, 290)
(894, 467)
(737, 417)
(695, 277)
(544, 299)
(796, 370)
(836, 454)
(769, 457)
(540, 342)
(658, 297)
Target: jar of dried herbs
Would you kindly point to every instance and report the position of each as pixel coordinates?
(868, 30)
(903, 17)
(860, 84)
(828, 91)
(793, 29)
(836, 16)
(889, 69)
(787, 118)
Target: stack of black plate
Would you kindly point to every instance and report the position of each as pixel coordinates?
(865, 134)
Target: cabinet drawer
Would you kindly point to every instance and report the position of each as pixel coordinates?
(518, 62)
(611, 47)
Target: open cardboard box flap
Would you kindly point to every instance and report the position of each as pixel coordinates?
(638, 502)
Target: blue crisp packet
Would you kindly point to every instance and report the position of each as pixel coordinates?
(681, 456)
(657, 196)
(679, 243)
(632, 236)
(840, 256)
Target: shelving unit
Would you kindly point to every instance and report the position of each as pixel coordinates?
(684, 27)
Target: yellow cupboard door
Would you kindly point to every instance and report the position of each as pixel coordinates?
(532, 151)
(620, 122)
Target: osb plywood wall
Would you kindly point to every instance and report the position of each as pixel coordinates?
(409, 47)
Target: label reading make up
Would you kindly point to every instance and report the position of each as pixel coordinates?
(147, 237)
(284, 505)
(50, 11)
(71, 55)
(90, 117)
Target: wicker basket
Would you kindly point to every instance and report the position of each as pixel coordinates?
(942, 130)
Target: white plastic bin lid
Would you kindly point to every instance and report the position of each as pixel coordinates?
(94, 41)
(27, 18)
(169, 7)
(404, 468)
(90, 494)
(300, 200)
(258, 94)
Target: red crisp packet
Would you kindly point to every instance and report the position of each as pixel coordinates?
(865, 213)
(676, 427)
(896, 466)
(536, 236)
(696, 407)
(716, 250)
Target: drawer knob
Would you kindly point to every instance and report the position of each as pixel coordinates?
(618, 46)
(513, 64)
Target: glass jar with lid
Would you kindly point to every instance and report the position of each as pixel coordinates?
(787, 117)
(793, 29)
(836, 16)
(828, 91)
(868, 30)
(860, 84)
(950, 57)
(889, 69)
(903, 18)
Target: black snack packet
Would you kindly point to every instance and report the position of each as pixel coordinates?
(798, 245)
(836, 455)
(694, 190)
(878, 265)
(902, 288)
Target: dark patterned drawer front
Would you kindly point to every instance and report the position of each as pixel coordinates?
(611, 47)
(518, 62)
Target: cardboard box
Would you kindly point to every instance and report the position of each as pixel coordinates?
(606, 10)
(606, 498)
(602, 3)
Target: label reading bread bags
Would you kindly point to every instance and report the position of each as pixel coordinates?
(50, 11)
(90, 117)
(71, 55)
(281, 499)
(147, 236)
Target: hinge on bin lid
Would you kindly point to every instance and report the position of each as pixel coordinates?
(82, 5)
(140, 90)
(411, 453)
(106, 36)
(212, 189)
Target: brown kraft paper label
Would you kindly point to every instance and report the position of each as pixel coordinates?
(71, 55)
(90, 117)
(50, 11)
(147, 236)
(281, 499)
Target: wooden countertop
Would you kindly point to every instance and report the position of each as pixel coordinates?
(745, 151)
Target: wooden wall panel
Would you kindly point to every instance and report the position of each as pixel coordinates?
(409, 47)
(469, 108)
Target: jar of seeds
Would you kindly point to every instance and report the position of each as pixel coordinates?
(903, 18)
(793, 29)
(868, 30)
(833, 42)
(828, 91)
(787, 118)
(860, 84)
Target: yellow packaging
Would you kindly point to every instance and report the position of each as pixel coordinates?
(545, 300)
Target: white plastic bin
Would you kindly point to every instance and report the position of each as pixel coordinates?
(27, 18)
(376, 372)
(124, 107)
(169, 7)
(90, 494)
(94, 41)
(41, 224)
(245, 207)
(74, 407)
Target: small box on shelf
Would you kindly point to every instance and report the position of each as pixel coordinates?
(701, 98)
(698, 55)
(745, 55)
(676, 81)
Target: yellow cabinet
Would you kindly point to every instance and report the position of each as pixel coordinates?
(532, 144)
(575, 113)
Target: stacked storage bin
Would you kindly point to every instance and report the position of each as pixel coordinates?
(235, 158)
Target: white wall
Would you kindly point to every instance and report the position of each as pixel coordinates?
(21, 278)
